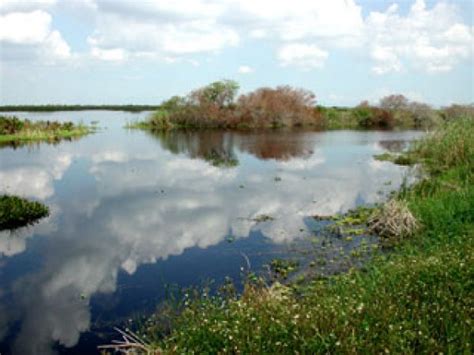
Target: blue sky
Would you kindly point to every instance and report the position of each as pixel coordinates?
(137, 51)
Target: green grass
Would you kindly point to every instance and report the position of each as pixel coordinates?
(13, 130)
(158, 120)
(418, 298)
(18, 212)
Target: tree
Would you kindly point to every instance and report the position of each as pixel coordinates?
(220, 93)
(394, 103)
(173, 103)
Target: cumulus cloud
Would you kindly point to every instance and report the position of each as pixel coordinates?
(35, 181)
(427, 39)
(29, 35)
(306, 56)
(432, 40)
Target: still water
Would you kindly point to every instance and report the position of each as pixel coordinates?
(132, 212)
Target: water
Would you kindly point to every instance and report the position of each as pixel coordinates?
(132, 212)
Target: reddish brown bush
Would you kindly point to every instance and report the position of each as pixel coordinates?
(283, 106)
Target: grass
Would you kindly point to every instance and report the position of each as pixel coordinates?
(419, 298)
(14, 129)
(18, 212)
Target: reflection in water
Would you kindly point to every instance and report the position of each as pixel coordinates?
(217, 147)
(125, 199)
(213, 146)
(394, 146)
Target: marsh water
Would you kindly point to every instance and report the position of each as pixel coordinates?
(134, 212)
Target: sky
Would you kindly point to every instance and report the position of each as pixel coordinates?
(144, 51)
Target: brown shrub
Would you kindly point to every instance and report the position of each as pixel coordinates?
(283, 106)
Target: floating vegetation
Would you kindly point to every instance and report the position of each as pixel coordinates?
(353, 222)
(230, 239)
(18, 212)
(281, 268)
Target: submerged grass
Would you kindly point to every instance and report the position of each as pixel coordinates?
(18, 212)
(14, 129)
(417, 299)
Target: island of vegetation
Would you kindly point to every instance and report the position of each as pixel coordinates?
(217, 106)
(416, 298)
(18, 212)
(16, 130)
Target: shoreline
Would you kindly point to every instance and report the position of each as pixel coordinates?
(386, 305)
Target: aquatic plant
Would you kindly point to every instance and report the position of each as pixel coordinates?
(18, 212)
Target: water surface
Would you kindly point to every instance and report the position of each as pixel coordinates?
(132, 212)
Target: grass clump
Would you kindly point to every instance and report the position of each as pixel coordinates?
(416, 299)
(14, 129)
(393, 221)
(18, 212)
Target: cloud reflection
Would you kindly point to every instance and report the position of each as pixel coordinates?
(134, 203)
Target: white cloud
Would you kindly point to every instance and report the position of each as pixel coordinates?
(432, 40)
(27, 35)
(307, 56)
(25, 28)
(25, 5)
(165, 28)
(245, 69)
(339, 20)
